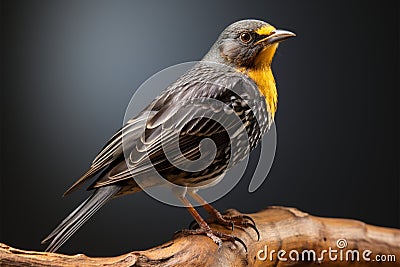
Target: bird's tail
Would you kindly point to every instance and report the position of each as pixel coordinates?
(79, 216)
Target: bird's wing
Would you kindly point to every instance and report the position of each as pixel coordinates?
(193, 118)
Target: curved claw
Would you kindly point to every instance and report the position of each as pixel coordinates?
(193, 224)
(232, 226)
(231, 238)
(255, 229)
(249, 218)
(241, 242)
(252, 225)
(241, 222)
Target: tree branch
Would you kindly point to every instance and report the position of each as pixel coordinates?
(281, 229)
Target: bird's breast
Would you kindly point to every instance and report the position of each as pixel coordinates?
(264, 79)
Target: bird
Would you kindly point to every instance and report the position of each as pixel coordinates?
(235, 72)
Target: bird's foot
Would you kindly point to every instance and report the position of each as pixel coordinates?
(217, 237)
(241, 221)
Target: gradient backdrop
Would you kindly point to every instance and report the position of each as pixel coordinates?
(69, 69)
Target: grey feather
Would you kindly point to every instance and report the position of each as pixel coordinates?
(79, 216)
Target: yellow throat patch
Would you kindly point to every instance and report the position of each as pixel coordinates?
(261, 73)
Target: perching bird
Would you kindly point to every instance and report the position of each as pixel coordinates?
(237, 73)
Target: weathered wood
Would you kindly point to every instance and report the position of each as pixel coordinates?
(281, 229)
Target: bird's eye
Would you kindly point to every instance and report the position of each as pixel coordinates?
(246, 37)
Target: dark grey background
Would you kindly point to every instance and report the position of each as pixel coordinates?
(69, 69)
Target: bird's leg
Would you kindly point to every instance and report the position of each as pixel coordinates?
(204, 228)
(242, 221)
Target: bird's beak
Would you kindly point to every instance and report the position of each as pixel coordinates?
(277, 36)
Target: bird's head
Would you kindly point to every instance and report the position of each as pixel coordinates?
(248, 44)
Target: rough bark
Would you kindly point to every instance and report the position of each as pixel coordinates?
(280, 228)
